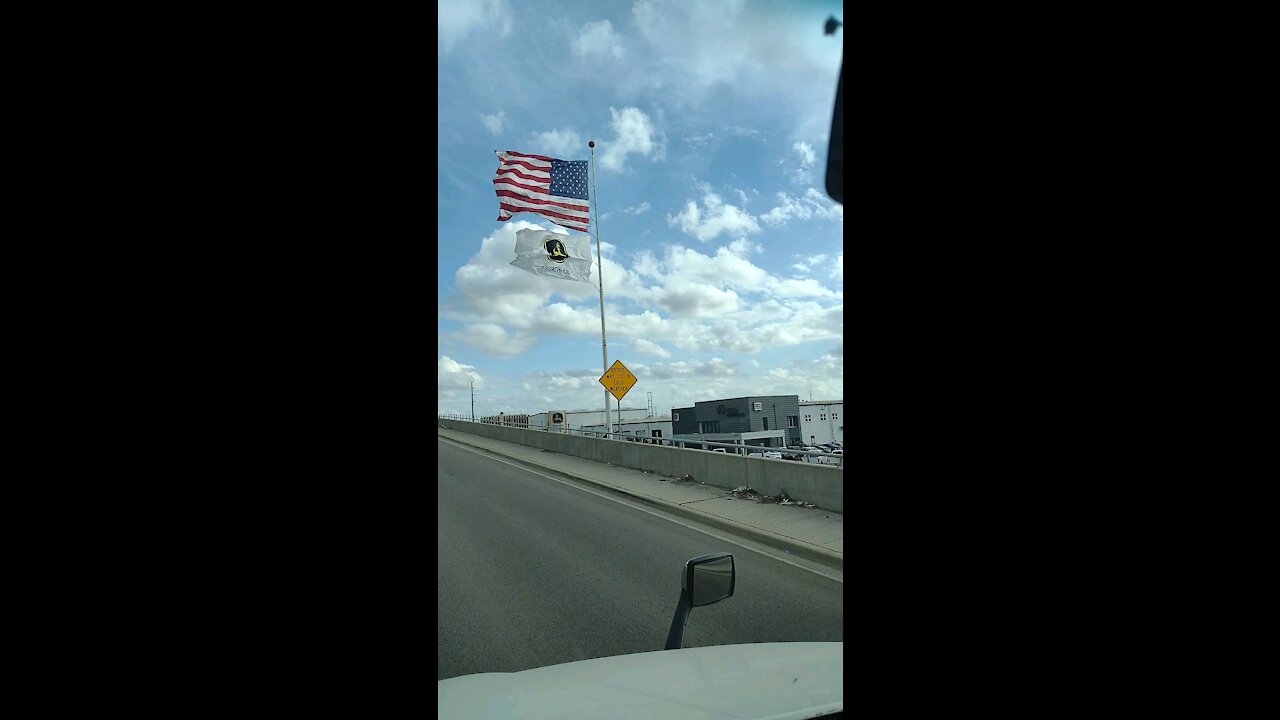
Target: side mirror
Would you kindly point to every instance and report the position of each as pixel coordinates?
(707, 579)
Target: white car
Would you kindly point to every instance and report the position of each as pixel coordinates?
(773, 454)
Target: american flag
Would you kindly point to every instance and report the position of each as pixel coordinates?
(554, 189)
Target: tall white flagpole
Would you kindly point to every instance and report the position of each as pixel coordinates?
(604, 343)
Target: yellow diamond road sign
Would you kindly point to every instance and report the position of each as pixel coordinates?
(618, 380)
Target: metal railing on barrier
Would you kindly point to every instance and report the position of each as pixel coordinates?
(820, 457)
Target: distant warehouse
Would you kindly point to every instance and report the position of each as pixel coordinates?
(647, 428)
(520, 421)
(576, 419)
(764, 420)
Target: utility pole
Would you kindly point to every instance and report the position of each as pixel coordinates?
(775, 424)
(473, 401)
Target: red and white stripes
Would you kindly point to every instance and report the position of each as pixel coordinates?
(523, 184)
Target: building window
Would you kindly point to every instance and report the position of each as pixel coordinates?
(823, 416)
(657, 433)
(835, 416)
(792, 421)
(808, 418)
(709, 426)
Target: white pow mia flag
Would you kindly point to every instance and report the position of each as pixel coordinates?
(554, 255)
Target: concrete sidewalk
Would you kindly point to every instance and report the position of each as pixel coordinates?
(811, 533)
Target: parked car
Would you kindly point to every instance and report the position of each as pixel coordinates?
(773, 454)
(720, 450)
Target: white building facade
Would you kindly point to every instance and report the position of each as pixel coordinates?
(576, 419)
(645, 427)
(822, 422)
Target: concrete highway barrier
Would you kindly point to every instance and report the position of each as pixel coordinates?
(822, 485)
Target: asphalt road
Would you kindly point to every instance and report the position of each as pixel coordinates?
(533, 572)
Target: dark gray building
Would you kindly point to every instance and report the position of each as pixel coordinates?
(683, 421)
(747, 415)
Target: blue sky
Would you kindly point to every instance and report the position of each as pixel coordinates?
(723, 254)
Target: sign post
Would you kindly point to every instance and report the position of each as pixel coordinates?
(618, 380)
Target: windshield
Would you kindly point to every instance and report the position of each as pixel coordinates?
(637, 249)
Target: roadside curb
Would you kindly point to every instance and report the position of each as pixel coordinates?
(799, 548)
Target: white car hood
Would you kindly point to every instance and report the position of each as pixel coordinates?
(779, 681)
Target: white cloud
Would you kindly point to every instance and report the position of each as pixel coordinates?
(707, 370)
(805, 151)
(811, 262)
(562, 319)
(698, 141)
(728, 53)
(838, 271)
(495, 340)
(646, 324)
(823, 376)
(494, 122)
(717, 218)
(634, 133)
(598, 38)
(646, 347)
(456, 19)
(810, 205)
(638, 209)
(685, 299)
(563, 143)
(799, 163)
(453, 374)
(696, 38)
(799, 288)
(744, 132)
(698, 301)
(453, 385)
